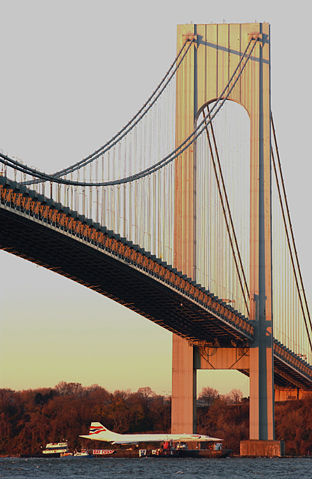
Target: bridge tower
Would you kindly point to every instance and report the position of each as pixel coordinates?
(201, 79)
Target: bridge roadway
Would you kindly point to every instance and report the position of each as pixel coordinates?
(51, 235)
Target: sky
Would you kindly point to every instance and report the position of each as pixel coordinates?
(72, 73)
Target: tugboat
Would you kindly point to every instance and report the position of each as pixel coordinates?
(82, 453)
(56, 449)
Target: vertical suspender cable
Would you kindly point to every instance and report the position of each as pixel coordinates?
(226, 220)
(228, 207)
(303, 301)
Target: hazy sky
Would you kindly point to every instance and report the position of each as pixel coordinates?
(72, 73)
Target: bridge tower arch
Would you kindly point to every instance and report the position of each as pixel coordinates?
(201, 79)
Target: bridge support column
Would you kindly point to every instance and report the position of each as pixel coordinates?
(261, 352)
(183, 411)
(261, 415)
(183, 416)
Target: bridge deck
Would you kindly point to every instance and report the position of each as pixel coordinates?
(45, 232)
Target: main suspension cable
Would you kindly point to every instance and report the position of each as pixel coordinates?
(160, 164)
(132, 122)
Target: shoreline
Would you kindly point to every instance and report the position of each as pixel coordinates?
(135, 455)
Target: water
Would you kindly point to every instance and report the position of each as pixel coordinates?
(155, 468)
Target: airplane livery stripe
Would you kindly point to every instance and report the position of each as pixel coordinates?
(96, 430)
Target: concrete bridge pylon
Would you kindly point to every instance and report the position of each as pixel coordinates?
(201, 78)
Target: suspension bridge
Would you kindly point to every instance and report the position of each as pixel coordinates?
(182, 216)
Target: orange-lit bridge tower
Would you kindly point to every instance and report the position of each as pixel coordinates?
(200, 80)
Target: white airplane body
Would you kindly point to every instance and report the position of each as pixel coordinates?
(98, 432)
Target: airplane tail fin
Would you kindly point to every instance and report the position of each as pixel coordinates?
(97, 428)
(100, 432)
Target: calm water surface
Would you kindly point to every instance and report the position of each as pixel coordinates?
(150, 468)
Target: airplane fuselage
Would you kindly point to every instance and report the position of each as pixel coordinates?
(98, 432)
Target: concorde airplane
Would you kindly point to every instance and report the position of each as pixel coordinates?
(98, 432)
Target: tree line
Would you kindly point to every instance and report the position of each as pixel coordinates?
(32, 418)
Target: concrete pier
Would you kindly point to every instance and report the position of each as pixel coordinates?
(256, 448)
